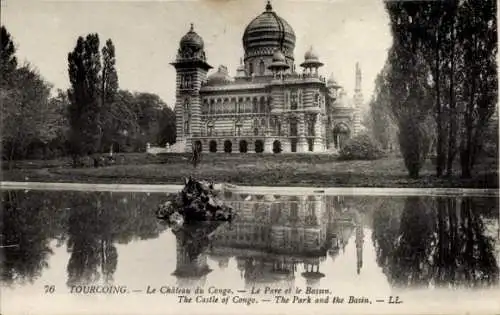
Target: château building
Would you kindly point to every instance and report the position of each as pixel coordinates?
(268, 106)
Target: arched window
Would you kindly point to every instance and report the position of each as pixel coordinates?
(186, 127)
(187, 116)
(210, 127)
(262, 68)
(205, 107)
(237, 127)
(294, 100)
(310, 126)
(262, 105)
(250, 68)
(316, 99)
(255, 105)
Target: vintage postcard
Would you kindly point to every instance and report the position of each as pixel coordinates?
(254, 157)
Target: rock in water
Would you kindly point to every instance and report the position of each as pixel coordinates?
(165, 210)
(176, 219)
(197, 201)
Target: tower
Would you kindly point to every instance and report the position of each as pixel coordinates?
(191, 67)
(358, 102)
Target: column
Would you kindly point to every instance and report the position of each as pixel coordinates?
(302, 142)
(188, 145)
(318, 138)
(251, 145)
(302, 208)
(286, 145)
(268, 145)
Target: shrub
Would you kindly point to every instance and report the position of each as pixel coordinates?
(361, 147)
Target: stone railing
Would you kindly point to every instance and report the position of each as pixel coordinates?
(229, 133)
(267, 78)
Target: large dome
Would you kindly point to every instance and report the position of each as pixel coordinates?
(268, 32)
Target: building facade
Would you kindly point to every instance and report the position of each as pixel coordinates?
(268, 106)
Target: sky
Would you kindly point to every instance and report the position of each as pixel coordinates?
(146, 35)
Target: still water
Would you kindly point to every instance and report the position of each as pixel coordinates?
(435, 254)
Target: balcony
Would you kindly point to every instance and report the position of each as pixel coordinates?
(231, 133)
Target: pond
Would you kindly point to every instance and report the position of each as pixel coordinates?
(87, 252)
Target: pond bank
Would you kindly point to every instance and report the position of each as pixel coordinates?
(255, 170)
(365, 191)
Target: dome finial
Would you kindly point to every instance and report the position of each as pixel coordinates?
(269, 7)
(192, 28)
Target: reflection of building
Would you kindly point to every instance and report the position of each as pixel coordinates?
(268, 106)
(275, 235)
(359, 247)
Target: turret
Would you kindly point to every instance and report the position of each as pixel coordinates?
(191, 67)
(311, 62)
(278, 65)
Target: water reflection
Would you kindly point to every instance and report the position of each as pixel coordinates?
(28, 224)
(438, 242)
(90, 224)
(192, 243)
(275, 240)
(274, 236)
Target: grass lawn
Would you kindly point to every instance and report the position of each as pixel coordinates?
(253, 169)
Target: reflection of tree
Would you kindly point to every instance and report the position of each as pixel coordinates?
(96, 222)
(89, 222)
(28, 222)
(88, 241)
(442, 242)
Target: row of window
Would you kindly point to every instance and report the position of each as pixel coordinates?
(256, 106)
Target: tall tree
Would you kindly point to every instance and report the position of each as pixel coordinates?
(109, 90)
(478, 33)
(109, 75)
(458, 42)
(382, 122)
(8, 61)
(408, 84)
(167, 126)
(84, 66)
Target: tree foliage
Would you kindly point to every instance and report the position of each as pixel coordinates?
(442, 64)
(33, 122)
(84, 66)
(8, 61)
(361, 147)
(109, 90)
(27, 115)
(381, 119)
(115, 120)
(92, 116)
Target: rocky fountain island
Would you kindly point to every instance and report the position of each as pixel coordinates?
(197, 202)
